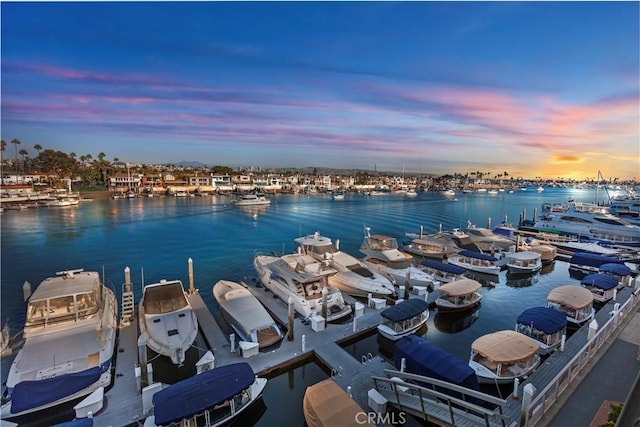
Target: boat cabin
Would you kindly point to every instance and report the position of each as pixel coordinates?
(403, 318)
(574, 301)
(602, 286)
(543, 324)
(459, 295)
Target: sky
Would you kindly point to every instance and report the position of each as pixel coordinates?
(534, 89)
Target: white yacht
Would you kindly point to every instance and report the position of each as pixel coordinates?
(526, 262)
(69, 338)
(303, 279)
(167, 321)
(476, 261)
(383, 256)
(353, 277)
(590, 221)
(248, 318)
(252, 199)
(438, 245)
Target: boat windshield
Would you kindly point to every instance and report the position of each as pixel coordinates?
(378, 243)
(63, 308)
(164, 298)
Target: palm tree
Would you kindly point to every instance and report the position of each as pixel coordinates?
(38, 148)
(23, 153)
(16, 142)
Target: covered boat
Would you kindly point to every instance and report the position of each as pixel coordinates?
(621, 272)
(211, 398)
(403, 319)
(326, 404)
(588, 262)
(574, 301)
(442, 271)
(526, 262)
(427, 359)
(503, 356)
(543, 324)
(167, 321)
(601, 285)
(476, 261)
(246, 315)
(459, 295)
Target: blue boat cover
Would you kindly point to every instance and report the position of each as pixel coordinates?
(405, 310)
(592, 260)
(203, 391)
(448, 268)
(613, 268)
(429, 360)
(544, 319)
(79, 422)
(478, 255)
(600, 280)
(31, 394)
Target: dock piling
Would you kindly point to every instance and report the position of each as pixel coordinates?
(290, 318)
(192, 289)
(304, 343)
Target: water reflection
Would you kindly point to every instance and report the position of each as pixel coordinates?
(253, 211)
(522, 280)
(486, 280)
(548, 268)
(452, 323)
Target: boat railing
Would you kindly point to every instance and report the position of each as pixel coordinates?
(544, 400)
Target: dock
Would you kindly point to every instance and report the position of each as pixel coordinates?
(322, 346)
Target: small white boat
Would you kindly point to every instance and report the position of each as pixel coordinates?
(527, 262)
(213, 397)
(411, 193)
(443, 272)
(574, 301)
(69, 340)
(448, 193)
(503, 356)
(338, 196)
(545, 325)
(476, 261)
(246, 315)
(303, 279)
(353, 276)
(252, 199)
(602, 286)
(167, 321)
(403, 319)
(460, 295)
(326, 404)
(383, 256)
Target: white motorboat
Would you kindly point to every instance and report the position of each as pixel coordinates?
(590, 221)
(489, 242)
(69, 339)
(252, 199)
(527, 262)
(214, 397)
(443, 272)
(574, 301)
(306, 281)
(460, 295)
(246, 315)
(476, 261)
(545, 325)
(403, 319)
(503, 356)
(438, 245)
(383, 256)
(352, 277)
(448, 193)
(167, 321)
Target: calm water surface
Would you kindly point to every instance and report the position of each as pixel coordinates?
(155, 237)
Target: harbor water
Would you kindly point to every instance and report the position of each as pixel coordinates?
(155, 237)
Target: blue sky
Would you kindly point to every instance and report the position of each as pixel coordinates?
(536, 88)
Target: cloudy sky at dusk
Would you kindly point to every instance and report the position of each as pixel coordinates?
(545, 89)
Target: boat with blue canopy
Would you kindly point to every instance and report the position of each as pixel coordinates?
(211, 398)
(602, 286)
(476, 261)
(587, 262)
(545, 325)
(403, 319)
(621, 272)
(442, 271)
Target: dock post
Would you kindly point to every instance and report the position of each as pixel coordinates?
(489, 223)
(355, 328)
(142, 358)
(349, 391)
(516, 384)
(403, 364)
(192, 289)
(127, 279)
(593, 328)
(369, 300)
(562, 342)
(325, 291)
(535, 214)
(528, 392)
(407, 281)
(232, 340)
(304, 343)
(290, 316)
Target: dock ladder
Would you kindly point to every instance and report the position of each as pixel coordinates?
(127, 312)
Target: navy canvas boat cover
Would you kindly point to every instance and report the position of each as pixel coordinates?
(78, 422)
(429, 360)
(592, 260)
(194, 395)
(600, 280)
(31, 394)
(405, 310)
(448, 268)
(544, 319)
(614, 268)
(477, 255)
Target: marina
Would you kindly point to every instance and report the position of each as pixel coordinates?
(341, 350)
